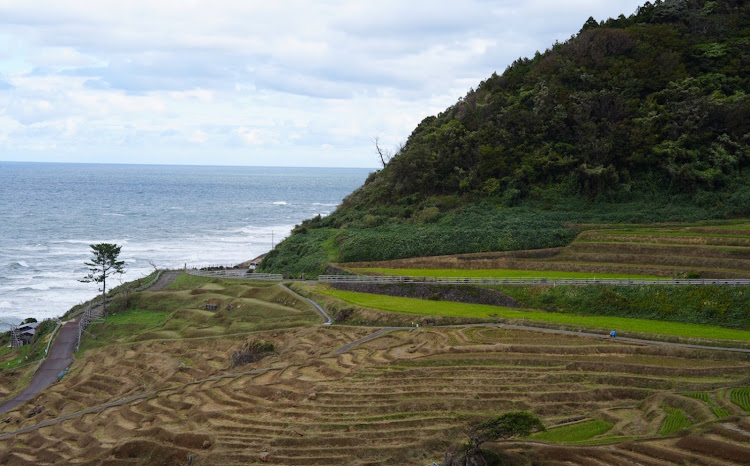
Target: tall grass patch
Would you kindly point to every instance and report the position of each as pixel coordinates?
(573, 433)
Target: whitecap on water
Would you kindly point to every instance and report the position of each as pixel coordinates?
(280, 203)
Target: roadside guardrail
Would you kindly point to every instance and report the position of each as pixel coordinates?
(237, 274)
(390, 279)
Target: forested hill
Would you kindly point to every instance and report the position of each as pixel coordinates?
(652, 109)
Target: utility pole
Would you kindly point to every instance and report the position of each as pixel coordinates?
(272, 245)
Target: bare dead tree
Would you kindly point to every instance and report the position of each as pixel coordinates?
(385, 155)
(153, 264)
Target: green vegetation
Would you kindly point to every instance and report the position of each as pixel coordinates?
(645, 232)
(103, 264)
(634, 120)
(180, 312)
(676, 420)
(741, 397)
(492, 273)
(11, 358)
(513, 424)
(573, 433)
(185, 281)
(123, 326)
(481, 311)
(706, 397)
(709, 305)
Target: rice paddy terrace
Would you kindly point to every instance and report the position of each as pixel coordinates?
(161, 389)
(660, 250)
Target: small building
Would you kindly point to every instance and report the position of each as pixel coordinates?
(26, 332)
(213, 304)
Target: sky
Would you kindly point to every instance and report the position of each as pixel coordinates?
(287, 83)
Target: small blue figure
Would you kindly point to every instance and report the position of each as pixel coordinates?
(612, 334)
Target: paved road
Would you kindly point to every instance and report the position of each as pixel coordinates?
(165, 279)
(61, 354)
(390, 279)
(393, 279)
(60, 357)
(317, 306)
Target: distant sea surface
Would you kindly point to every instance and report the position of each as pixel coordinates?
(169, 215)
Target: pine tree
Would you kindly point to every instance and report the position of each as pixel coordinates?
(102, 265)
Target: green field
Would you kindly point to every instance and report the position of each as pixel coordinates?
(676, 420)
(573, 433)
(451, 309)
(741, 397)
(706, 397)
(493, 273)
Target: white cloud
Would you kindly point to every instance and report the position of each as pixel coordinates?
(256, 137)
(253, 82)
(198, 137)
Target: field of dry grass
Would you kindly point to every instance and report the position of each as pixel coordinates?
(402, 398)
(670, 250)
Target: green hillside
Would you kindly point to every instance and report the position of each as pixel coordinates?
(636, 119)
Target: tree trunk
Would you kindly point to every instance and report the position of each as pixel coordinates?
(104, 294)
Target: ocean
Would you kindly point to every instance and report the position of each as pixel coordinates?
(170, 216)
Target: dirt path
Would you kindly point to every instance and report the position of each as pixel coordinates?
(61, 354)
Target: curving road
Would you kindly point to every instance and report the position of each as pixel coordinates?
(316, 305)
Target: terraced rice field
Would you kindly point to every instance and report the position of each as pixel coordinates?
(402, 398)
(718, 251)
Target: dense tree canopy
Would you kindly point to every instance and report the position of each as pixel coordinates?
(648, 114)
(656, 101)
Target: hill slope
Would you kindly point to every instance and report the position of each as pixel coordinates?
(637, 119)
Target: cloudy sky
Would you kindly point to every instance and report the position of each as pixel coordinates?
(244, 82)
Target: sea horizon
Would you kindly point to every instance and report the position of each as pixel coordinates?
(185, 165)
(172, 215)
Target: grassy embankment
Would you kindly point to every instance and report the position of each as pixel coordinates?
(686, 250)
(622, 324)
(180, 312)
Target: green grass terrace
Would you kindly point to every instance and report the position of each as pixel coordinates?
(482, 311)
